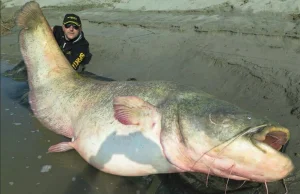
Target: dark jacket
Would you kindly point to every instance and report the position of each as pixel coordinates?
(76, 51)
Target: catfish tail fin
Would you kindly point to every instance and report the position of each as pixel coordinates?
(30, 16)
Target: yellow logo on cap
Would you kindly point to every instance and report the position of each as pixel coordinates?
(71, 17)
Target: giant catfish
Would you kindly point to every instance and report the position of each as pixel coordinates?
(141, 128)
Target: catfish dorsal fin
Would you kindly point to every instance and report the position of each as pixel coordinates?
(131, 110)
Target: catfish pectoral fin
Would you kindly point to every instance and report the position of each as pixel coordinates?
(132, 110)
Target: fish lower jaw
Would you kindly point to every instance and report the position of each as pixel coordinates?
(212, 164)
(238, 170)
(238, 174)
(259, 173)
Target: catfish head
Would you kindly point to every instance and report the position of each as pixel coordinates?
(203, 134)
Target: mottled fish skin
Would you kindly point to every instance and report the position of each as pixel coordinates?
(151, 127)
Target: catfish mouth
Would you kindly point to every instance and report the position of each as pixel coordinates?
(273, 136)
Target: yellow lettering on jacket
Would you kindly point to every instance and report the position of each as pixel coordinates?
(77, 62)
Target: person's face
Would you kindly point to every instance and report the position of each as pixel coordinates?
(71, 31)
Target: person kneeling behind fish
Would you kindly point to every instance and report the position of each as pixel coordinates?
(72, 42)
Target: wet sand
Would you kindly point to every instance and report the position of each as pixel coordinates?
(251, 60)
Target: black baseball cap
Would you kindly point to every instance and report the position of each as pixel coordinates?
(72, 19)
